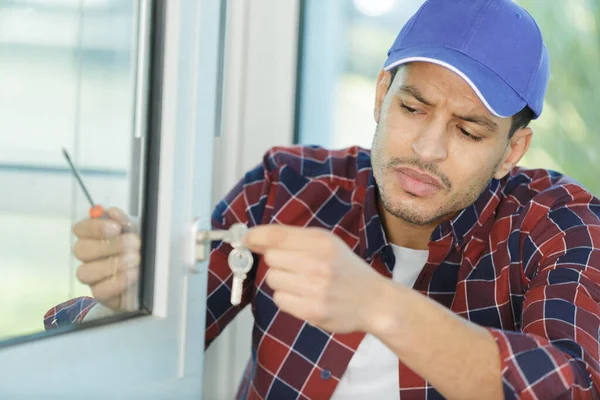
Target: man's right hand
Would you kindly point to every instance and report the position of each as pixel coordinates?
(109, 250)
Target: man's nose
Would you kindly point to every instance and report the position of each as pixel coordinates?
(431, 145)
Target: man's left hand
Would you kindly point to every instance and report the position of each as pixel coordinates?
(316, 277)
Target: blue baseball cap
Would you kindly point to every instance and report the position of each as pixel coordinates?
(494, 45)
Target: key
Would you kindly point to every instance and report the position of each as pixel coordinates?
(240, 261)
(236, 234)
(233, 235)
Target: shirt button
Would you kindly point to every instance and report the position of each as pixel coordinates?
(325, 374)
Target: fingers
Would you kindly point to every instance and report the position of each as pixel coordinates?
(287, 282)
(117, 223)
(287, 260)
(297, 262)
(126, 223)
(109, 290)
(96, 228)
(88, 250)
(261, 238)
(96, 271)
(110, 251)
(118, 215)
(297, 273)
(295, 305)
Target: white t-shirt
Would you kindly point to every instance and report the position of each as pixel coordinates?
(373, 370)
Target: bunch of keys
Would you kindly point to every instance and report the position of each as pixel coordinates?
(240, 258)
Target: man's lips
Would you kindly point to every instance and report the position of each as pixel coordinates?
(420, 176)
(418, 183)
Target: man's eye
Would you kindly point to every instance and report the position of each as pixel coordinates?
(469, 136)
(409, 110)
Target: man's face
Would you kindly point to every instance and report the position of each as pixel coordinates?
(436, 146)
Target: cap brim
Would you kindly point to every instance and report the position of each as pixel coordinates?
(498, 97)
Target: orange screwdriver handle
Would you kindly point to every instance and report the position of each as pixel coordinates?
(97, 212)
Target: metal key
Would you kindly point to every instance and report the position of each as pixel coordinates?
(240, 261)
(234, 236)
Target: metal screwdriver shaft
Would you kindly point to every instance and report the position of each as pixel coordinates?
(96, 211)
(78, 177)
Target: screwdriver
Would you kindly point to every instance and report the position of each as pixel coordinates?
(96, 210)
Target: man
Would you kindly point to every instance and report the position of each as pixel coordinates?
(495, 277)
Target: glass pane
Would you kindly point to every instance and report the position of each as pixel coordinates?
(67, 80)
(346, 44)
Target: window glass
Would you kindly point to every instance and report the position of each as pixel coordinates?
(67, 80)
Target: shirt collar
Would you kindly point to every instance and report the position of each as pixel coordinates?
(373, 238)
(464, 225)
(461, 227)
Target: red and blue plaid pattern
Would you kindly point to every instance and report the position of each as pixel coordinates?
(69, 312)
(522, 261)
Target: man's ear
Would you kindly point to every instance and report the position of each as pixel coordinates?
(518, 146)
(383, 83)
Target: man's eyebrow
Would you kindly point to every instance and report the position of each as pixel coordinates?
(480, 120)
(476, 119)
(416, 93)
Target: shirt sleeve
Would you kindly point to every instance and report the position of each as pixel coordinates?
(555, 354)
(245, 203)
(68, 313)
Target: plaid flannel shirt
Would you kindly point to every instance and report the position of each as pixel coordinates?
(522, 262)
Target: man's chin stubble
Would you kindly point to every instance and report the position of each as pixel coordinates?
(411, 217)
